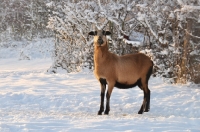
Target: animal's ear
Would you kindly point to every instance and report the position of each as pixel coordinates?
(92, 33)
(107, 33)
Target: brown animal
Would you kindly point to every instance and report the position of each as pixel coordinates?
(122, 72)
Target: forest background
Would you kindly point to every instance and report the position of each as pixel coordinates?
(166, 30)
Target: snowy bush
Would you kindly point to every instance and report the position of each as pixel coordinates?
(168, 31)
(71, 22)
(165, 28)
(23, 29)
(170, 26)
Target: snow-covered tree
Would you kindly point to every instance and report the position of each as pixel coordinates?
(163, 29)
(23, 21)
(71, 21)
(167, 30)
(171, 24)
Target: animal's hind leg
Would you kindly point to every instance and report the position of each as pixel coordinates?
(142, 109)
(148, 91)
(103, 88)
(146, 100)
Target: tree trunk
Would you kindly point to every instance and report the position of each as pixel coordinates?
(182, 78)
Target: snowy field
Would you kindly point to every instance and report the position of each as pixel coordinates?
(32, 100)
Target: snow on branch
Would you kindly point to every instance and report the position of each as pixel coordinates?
(192, 34)
(99, 3)
(180, 2)
(150, 28)
(133, 43)
(188, 8)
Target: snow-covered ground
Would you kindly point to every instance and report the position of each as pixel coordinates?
(37, 48)
(32, 100)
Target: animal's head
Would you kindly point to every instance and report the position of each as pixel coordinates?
(99, 37)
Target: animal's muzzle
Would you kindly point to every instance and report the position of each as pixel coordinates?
(100, 41)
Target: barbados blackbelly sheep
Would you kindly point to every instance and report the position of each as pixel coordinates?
(122, 72)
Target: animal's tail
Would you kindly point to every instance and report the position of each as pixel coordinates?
(150, 71)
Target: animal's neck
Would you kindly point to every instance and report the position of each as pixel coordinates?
(101, 53)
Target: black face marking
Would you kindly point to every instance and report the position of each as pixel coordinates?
(100, 40)
(99, 33)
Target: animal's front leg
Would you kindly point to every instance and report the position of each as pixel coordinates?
(108, 95)
(103, 88)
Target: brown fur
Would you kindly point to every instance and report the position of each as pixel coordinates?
(126, 70)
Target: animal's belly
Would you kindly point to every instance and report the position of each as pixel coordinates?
(121, 85)
(127, 79)
(125, 86)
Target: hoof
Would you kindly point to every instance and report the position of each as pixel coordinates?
(146, 111)
(140, 112)
(106, 112)
(99, 113)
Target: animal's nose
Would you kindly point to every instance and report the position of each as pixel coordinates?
(100, 40)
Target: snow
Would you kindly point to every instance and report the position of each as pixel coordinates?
(39, 48)
(180, 2)
(33, 100)
(164, 52)
(188, 8)
(133, 43)
(141, 17)
(171, 15)
(50, 4)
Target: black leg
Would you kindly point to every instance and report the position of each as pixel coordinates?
(101, 104)
(143, 105)
(148, 101)
(107, 104)
(108, 95)
(142, 88)
(103, 88)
